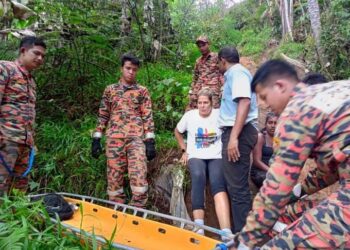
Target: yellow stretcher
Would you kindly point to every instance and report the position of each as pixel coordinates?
(129, 227)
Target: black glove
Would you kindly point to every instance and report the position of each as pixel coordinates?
(96, 148)
(150, 149)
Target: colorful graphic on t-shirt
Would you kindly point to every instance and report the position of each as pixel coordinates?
(205, 138)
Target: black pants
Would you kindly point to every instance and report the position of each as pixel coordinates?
(258, 176)
(237, 173)
(199, 170)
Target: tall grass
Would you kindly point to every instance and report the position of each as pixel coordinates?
(63, 161)
(254, 42)
(25, 225)
(292, 49)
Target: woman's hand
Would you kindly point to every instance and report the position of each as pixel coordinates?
(184, 159)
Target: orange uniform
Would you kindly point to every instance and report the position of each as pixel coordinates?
(126, 115)
(316, 124)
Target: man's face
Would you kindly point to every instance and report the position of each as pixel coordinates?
(203, 47)
(129, 72)
(275, 95)
(33, 57)
(221, 65)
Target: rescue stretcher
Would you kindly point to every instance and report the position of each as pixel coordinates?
(128, 227)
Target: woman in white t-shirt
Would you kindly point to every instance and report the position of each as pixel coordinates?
(203, 156)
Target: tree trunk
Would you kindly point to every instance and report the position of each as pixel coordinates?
(5, 18)
(125, 19)
(286, 11)
(314, 13)
(158, 26)
(315, 20)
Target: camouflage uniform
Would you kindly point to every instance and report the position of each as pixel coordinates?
(315, 123)
(17, 115)
(206, 75)
(126, 115)
(295, 210)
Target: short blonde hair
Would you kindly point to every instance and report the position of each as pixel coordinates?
(206, 92)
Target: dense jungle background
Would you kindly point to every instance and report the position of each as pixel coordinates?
(86, 39)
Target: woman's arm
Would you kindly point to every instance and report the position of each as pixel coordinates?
(257, 154)
(180, 140)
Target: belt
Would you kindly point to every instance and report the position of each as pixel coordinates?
(225, 128)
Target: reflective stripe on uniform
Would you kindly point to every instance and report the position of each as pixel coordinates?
(116, 192)
(139, 189)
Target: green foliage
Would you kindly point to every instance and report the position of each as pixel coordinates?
(8, 50)
(335, 38)
(254, 42)
(291, 49)
(26, 225)
(166, 140)
(301, 24)
(247, 14)
(225, 34)
(190, 55)
(169, 91)
(82, 57)
(63, 161)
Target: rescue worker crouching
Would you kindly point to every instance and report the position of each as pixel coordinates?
(125, 114)
(314, 122)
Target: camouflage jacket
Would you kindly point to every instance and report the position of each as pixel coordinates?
(207, 74)
(18, 97)
(316, 124)
(126, 111)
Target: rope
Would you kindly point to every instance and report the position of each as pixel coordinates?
(5, 165)
(30, 164)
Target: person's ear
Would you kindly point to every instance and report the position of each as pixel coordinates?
(22, 50)
(281, 85)
(223, 61)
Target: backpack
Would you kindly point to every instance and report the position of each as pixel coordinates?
(56, 204)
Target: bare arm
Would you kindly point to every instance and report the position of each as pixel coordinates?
(257, 154)
(180, 139)
(181, 142)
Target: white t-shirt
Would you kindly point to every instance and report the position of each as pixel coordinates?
(203, 134)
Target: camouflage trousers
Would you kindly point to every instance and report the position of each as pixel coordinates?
(295, 210)
(127, 155)
(325, 225)
(15, 156)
